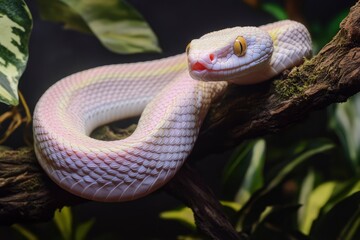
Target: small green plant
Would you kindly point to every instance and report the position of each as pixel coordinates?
(63, 220)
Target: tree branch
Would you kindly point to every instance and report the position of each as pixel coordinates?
(333, 75)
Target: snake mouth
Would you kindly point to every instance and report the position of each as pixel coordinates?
(201, 70)
(198, 67)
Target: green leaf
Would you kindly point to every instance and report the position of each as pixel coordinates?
(57, 11)
(232, 205)
(184, 215)
(24, 232)
(275, 10)
(322, 34)
(250, 213)
(15, 29)
(324, 198)
(316, 201)
(288, 168)
(253, 179)
(118, 26)
(341, 222)
(345, 122)
(277, 224)
(83, 229)
(352, 229)
(63, 220)
(306, 190)
(243, 173)
(334, 25)
(341, 191)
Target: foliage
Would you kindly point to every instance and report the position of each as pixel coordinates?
(275, 10)
(316, 204)
(117, 25)
(63, 220)
(294, 198)
(288, 192)
(345, 122)
(15, 28)
(245, 169)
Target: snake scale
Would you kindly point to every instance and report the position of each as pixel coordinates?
(172, 95)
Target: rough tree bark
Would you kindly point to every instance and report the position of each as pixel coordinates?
(333, 75)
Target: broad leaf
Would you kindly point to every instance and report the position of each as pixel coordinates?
(324, 198)
(15, 29)
(341, 222)
(316, 201)
(117, 25)
(57, 11)
(341, 191)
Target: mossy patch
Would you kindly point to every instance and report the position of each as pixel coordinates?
(296, 83)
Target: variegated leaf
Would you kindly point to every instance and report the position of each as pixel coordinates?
(117, 25)
(15, 28)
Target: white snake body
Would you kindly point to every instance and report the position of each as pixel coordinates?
(173, 105)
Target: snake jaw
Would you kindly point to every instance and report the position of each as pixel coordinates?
(197, 67)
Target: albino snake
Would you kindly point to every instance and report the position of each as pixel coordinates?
(173, 105)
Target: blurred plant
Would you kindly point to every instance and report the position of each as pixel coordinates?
(118, 26)
(344, 120)
(244, 171)
(282, 204)
(296, 199)
(267, 213)
(276, 177)
(64, 222)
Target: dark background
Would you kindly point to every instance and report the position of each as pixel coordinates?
(56, 53)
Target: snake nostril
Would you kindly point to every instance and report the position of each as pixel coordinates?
(212, 57)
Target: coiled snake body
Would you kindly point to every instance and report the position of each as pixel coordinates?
(173, 95)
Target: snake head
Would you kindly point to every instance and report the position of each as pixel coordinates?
(229, 54)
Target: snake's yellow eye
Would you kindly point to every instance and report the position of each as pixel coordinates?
(187, 49)
(240, 46)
